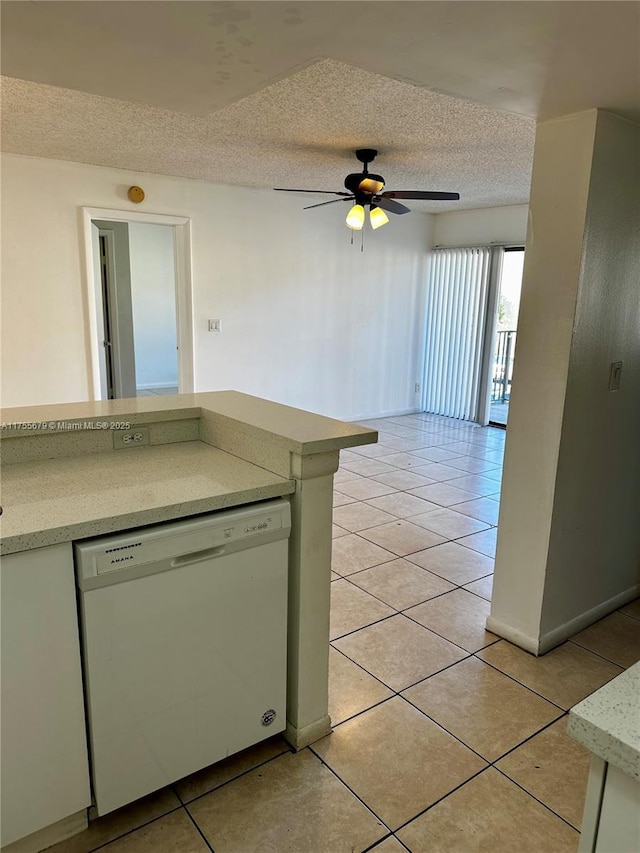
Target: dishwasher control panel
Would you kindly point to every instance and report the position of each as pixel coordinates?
(212, 534)
(263, 524)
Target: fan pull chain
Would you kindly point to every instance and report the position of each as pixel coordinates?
(362, 240)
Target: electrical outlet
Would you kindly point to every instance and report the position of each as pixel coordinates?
(137, 437)
(416, 387)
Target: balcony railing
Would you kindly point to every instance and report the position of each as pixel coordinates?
(503, 367)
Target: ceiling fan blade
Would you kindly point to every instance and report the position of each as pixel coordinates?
(388, 204)
(333, 201)
(325, 192)
(424, 194)
(369, 185)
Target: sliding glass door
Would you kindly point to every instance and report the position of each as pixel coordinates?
(473, 297)
(462, 293)
(506, 331)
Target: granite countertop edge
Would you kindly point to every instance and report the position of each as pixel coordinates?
(608, 722)
(51, 501)
(152, 515)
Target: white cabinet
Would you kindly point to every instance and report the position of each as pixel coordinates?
(44, 754)
(611, 822)
(619, 827)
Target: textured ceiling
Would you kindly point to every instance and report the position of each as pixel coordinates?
(280, 94)
(298, 132)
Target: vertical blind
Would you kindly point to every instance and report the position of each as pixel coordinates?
(457, 296)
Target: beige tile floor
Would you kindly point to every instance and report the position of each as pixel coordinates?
(445, 738)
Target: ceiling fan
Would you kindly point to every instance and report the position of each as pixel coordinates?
(366, 189)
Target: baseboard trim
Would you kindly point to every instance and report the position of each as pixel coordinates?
(301, 737)
(513, 635)
(391, 413)
(49, 835)
(550, 639)
(153, 385)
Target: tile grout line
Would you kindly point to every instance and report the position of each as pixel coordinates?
(417, 603)
(440, 799)
(442, 637)
(199, 830)
(133, 829)
(428, 548)
(372, 847)
(487, 525)
(431, 571)
(289, 750)
(488, 764)
(513, 678)
(399, 694)
(415, 621)
(413, 683)
(533, 796)
(591, 651)
(349, 788)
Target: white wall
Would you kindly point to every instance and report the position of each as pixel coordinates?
(153, 302)
(481, 227)
(569, 541)
(308, 320)
(594, 546)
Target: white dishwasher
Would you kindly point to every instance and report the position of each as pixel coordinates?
(184, 636)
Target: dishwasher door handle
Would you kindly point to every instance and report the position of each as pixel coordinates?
(197, 556)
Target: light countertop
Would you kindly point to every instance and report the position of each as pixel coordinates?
(57, 500)
(63, 480)
(289, 428)
(608, 722)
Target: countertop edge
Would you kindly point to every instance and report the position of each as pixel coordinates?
(265, 416)
(142, 518)
(599, 721)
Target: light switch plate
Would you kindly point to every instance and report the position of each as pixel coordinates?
(615, 376)
(215, 325)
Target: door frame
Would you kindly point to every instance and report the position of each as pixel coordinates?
(184, 302)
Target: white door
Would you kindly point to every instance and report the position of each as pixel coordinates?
(115, 270)
(102, 339)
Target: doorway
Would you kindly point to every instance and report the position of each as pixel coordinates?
(139, 295)
(506, 332)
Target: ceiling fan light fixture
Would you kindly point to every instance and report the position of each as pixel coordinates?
(365, 190)
(372, 184)
(355, 218)
(377, 217)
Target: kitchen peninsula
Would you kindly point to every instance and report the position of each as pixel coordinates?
(64, 480)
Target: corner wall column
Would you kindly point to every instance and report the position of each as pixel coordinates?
(568, 537)
(309, 598)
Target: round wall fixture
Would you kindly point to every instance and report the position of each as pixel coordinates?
(136, 194)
